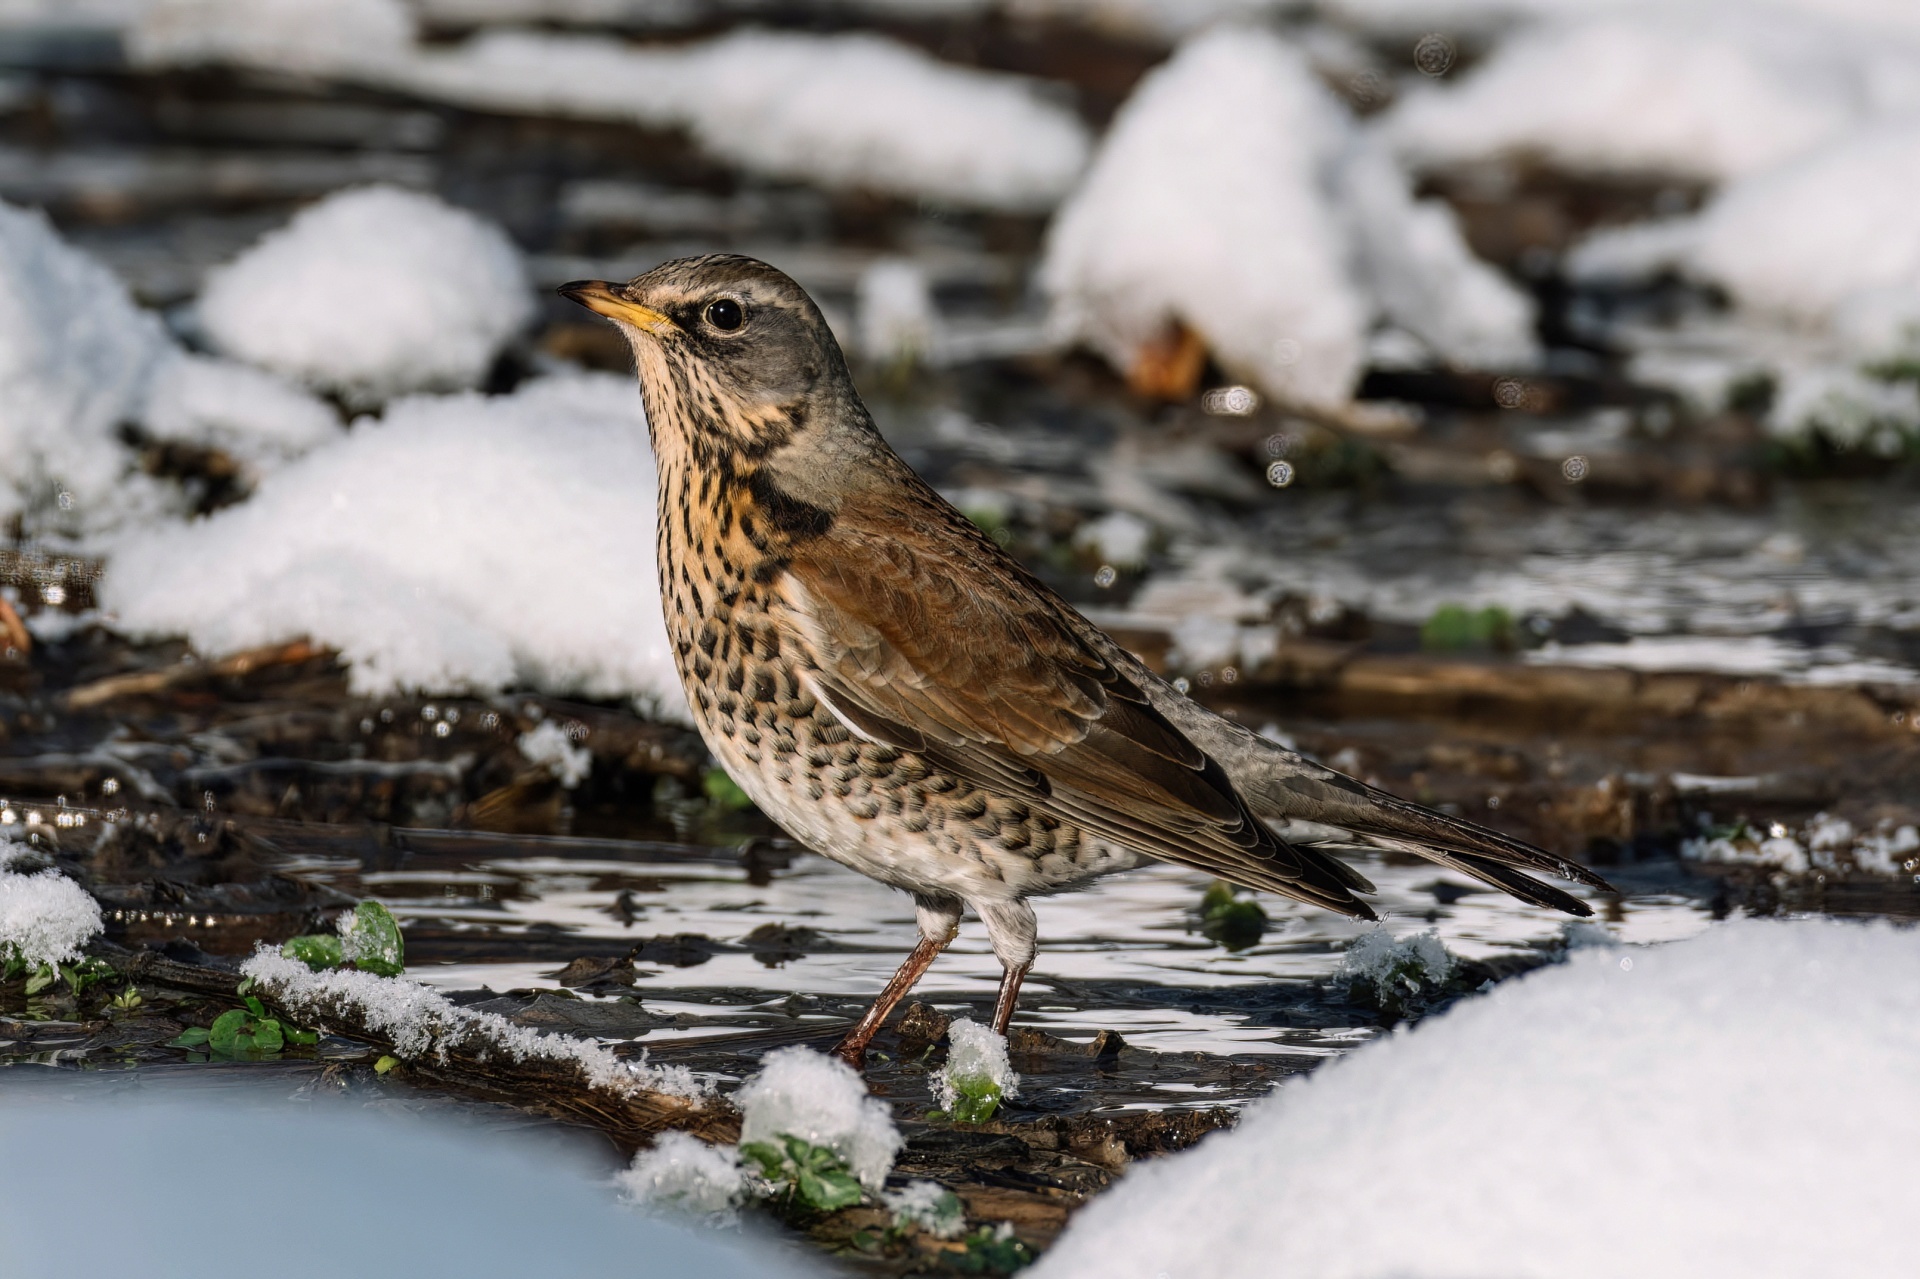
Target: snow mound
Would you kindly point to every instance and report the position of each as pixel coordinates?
(685, 1176)
(819, 1099)
(929, 1206)
(252, 415)
(1705, 90)
(1207, 205)
(75, 358)
(459, 543)
(1833, 237)
(288, 35)
(1232, 196)
(45, 918)
(976, 1060)
(845, 110)
(372, 293)
(1674, 1111)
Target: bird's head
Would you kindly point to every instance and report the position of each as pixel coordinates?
(734, 358)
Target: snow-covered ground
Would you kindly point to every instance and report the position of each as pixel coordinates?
(1736, 1104)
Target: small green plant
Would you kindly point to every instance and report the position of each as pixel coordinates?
(386, 1064)
(318, 951)
(993, 1250)
(245, 1032)
(723, 792)
(127, 1000)
(369, 938)
(814, 1174)
(1453, 628)
(1230, 920)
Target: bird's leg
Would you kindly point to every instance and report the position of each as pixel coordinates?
(939, 924)
(1010, 980)
(1013, 931)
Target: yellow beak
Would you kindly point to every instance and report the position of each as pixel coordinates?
(604, 298)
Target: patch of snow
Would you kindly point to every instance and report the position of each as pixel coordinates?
(75, 358)
(547, 743)
(1394, 969)
(895, 312)
(976, 1055)
(1726, 655)
(460, 542)
(687, 1177)
(1826, 843)
(1118, 538)
(372, 293)
(45, 918)
(420, 1022)
(1589, 1120)
(1158, 21)
(792, 105)
(929, 1206)
(1427, 282)
(1888, 851)
(819, 1099)
(1208, 205)
(300, 36)
(1709, 90)
(258, 418)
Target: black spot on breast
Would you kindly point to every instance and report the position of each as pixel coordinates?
(798, 520)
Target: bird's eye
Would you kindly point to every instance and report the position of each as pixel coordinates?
(725, 315)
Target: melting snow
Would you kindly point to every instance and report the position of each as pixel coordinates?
(685, 1176)
(976, 1055)
(547, 743)
(420, 1022)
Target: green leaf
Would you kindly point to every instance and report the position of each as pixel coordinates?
(828, 1188)
(318, 951)
(767, 1155)
(385, 1064)
(975, 1100)
(227, 1030)
(245, 986)
(305, 1038)
(43, 977)
(255, 1007)
(723, 792)
(191, 1037)
(371, 939)
(267, 1037)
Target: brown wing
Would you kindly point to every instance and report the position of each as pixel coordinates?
(934, 641)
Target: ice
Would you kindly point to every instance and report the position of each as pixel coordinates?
(819, 1099)
(547, 743)
(44, 918)
(250, 414)
(1208, 205)
(1702, 89)
(685, 1176)
(1666, 1111)
(314, 37)
(1395, 969)
(460, 542)
(372, 293)
(75, 358)
(976, 1065)
(419, 1023)
(1233, 196)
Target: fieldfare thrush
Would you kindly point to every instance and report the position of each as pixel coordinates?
(902, 696)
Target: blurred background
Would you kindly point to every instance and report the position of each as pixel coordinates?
(1515, 403)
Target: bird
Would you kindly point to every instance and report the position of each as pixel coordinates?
(901, 695)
